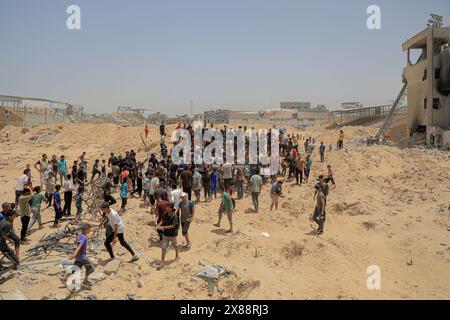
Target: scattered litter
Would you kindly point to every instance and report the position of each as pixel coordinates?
(265, 234)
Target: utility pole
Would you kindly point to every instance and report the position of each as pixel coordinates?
(192, 108)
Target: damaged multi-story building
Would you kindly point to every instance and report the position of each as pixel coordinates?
(428, 84)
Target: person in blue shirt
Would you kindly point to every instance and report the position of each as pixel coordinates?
(57, 206)
(275, 193)
(214, 183)
(6, 206)
(80, 256)
(307, 167)
(62, 169)
(124, 194)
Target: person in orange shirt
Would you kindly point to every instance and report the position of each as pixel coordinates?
(146, 131)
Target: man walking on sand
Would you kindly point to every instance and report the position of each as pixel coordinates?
(299, 167)
(62, 169)
(186, 181)
(169, 227)
(185, 213)
(319, 211)
(255, 186)
(42, 166)
(322, 152)
(116, 223)
(308, 164)
(341, 140)
(226, 206)
(239, 171)
(8, 234)
(275, 193)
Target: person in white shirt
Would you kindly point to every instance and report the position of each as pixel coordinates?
(42, 167)
(175, 197)
(69, 187)
(22, 181)
(227, 170)
(154, 185)
(117, 225)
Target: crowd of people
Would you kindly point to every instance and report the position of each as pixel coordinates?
(171, 191)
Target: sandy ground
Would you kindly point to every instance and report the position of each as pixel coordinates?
(390, 209)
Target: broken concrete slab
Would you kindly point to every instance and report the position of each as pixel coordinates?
(14, 295)
(113, 266)
(131, 296)
(97, 276)
(60, 296)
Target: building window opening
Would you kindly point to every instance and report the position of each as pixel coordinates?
(437, 73)
(424, 75)
(436, 103)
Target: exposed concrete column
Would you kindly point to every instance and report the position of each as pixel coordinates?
(430, 75)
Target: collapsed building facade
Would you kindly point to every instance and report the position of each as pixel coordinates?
(428, 84)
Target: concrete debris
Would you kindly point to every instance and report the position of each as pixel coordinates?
(113, 266)
(14, 295)
(131, 296)
(97, 276)
(211, 274)
(61, 296)
(92, 296)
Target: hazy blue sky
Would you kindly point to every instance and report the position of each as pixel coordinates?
(240, 54)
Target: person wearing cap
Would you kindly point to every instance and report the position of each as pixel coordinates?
(275, 193)
(185, 213)
(115, 221)
(7, 234)
(169, 227)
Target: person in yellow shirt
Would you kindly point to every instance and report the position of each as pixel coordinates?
(341, 139)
